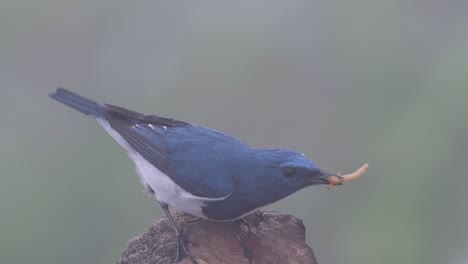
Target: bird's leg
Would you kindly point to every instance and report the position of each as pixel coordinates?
(243, 221)
(181, 237)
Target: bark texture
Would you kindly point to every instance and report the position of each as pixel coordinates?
(274, 238)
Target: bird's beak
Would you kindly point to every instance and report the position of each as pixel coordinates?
(321, 178)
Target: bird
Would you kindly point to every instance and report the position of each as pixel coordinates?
(199, 170)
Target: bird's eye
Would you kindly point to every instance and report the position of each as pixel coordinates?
(289, 172)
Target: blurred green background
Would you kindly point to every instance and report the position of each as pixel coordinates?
(346, 82)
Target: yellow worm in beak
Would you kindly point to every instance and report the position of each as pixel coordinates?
(335, 180)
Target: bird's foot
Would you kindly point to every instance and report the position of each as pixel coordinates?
(242, 221)
(182, 251)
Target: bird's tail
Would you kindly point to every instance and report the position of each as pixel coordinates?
(78, 102)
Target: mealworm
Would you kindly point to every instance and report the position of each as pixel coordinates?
(334, 180)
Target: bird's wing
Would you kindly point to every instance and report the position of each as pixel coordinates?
(169, 146)
(152, 119)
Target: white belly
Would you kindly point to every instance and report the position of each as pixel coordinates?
(165, 189)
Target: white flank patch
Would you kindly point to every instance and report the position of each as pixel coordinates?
(165, 189)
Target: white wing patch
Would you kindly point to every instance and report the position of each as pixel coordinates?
(205, 199)
(165, 189)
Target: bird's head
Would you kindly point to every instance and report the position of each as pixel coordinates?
(284, 172)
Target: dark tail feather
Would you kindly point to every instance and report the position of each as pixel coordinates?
(79, 103)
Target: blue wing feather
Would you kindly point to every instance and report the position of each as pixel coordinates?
(186, 153)
(209, 158)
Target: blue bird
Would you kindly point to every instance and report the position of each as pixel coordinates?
(199, 170)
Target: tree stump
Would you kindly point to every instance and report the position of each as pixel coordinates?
(274, 238)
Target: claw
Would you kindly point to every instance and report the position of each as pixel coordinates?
(182, 250)
(242, 221)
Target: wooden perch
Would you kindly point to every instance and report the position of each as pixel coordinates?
(274, 238)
